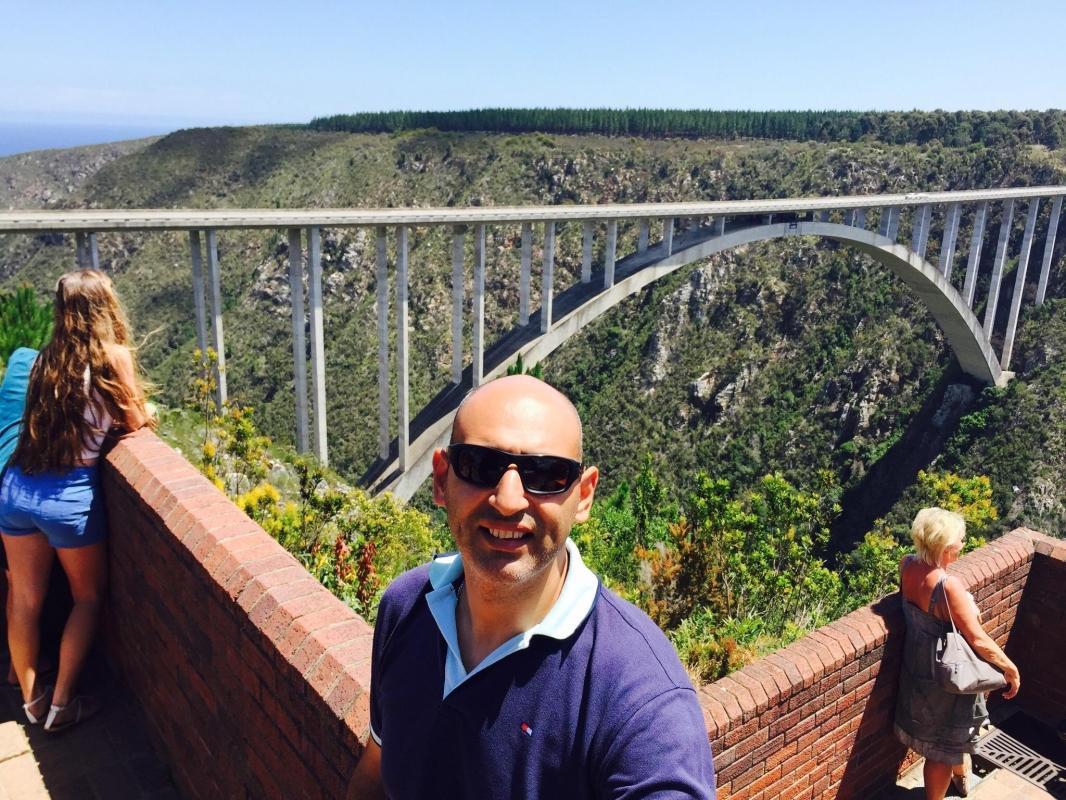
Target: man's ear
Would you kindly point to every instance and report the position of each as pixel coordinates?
(586, 487)
(440, 475)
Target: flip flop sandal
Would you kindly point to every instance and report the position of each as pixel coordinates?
(37, 719)
(77, 710)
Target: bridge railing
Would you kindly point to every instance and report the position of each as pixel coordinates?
(662, 230)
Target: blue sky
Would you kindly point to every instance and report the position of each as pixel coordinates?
(161, 62)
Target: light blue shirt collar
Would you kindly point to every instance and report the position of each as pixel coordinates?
(570, 609)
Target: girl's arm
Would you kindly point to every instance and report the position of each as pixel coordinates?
(136, 416)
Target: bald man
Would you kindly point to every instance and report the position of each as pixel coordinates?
(507, 670)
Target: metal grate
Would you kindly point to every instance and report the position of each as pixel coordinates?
(1005, 751)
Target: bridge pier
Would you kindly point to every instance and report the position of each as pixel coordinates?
(458, 297)
(547, 277)
(1049, 249)
(920, 233)
(477, 366)
(609, 253)
(198, 295)
(977, 240)
(524, 275)
(299, 346)
(947, 243)
(586, 251)
(87, 254)
(997, 267)
(668, 236)
(318, 351)
(216, 315)
(1019, 282)
(403, 410)
(382, 303)
(643, 236)
(81, 251)
(889, 227)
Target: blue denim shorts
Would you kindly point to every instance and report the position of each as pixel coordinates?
(67, 507)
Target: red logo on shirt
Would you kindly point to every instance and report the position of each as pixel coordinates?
(528, 731)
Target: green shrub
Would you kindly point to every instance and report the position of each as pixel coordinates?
(24, 322)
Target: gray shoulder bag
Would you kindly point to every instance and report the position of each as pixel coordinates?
(958, 669)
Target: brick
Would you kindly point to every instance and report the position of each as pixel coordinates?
(755, 689)
(856, 632)
(847, 646)
(807, 723)
(715, 707)
(758, 672)
(738, 767)
(294, 599)
(832, 645)
(319, 641)
(727, 699)
(767, 779)
(781, 753)
(784, 685)
(258, 566)
(741, 734)
(805, 699)
(231, 547)
(788, 666)
(813, 656)
(347, 690)
(763, 752)
(748, 706)
(212, 509)
(832, 691)
(785, 723)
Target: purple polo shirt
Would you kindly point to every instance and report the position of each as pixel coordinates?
(604, 712)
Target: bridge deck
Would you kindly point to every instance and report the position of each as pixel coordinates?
(98, 220)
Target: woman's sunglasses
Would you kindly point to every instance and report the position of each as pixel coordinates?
(484, 466)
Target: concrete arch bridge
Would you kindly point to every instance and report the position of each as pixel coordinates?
(870, 223)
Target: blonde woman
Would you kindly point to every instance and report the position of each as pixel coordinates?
(942, 727)
(83, 384)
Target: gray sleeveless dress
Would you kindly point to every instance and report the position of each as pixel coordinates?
(939, 725)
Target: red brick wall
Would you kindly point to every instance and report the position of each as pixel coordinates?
(254, 678)
(814, 719)
(1038, 641)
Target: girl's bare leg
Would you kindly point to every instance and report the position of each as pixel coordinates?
(86, 569)
(29, 559)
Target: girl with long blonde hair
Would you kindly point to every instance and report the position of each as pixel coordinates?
(84, 384)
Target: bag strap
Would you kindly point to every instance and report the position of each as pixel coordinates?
(944, 593)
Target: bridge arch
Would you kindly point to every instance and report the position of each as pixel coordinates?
(961, 327)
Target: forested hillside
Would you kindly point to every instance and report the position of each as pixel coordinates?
(957, 128)
(790, 357)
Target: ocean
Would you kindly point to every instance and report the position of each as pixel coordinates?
(17, 137)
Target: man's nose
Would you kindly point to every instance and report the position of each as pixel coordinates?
(510, 494)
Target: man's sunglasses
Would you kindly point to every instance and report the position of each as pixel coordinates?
(484, 466)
